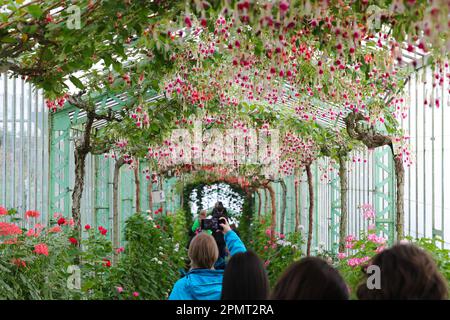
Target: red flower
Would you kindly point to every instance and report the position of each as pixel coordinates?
(19, 262)
(87, 227)
(3, 211)
(32, 214)
(73, 240)
(106, 263)
(102, 230)
(8, 229)
(41, 248)
(61, 221)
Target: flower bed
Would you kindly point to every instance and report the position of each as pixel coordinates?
(39, 262)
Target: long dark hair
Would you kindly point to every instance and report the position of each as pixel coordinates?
(245, 278)
(311, 278)
(406, 272)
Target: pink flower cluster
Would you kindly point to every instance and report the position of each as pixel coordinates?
(8, 229)
(368, 211)
(41, 248)
(353, 262)
(376, 239)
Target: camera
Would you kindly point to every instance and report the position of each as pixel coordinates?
(212, 224)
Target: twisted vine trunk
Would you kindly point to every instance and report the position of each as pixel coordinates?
(273, 221)
(150, 195)
(297, 211)
(259, 203)
(344, 207)
(137, 182)
(82, 148)
(283, 204)
(311, 208)
(400, 181)
(265, 201)
(375, 140)
(116, 223)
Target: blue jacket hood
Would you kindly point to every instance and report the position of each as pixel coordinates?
(204, 284)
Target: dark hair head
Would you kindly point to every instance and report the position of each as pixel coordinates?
(220, 205)
(311, 278)
(407, 272)
(245, 278)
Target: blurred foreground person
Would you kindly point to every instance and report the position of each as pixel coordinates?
(407, 272)
(245, 278)
(311, 278)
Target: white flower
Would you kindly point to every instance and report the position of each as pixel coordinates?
(160, 253)
(149, 218)
(301, 228)
(159, 262)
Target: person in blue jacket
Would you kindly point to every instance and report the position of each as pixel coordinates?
(203, 282)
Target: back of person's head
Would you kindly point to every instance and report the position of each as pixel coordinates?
(220, 206)
(406, 272)
(203, 251)
(311, 278)
(245, 278)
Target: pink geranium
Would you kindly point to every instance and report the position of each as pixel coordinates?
(341, 255)
(55, 229)
(32, 214)
(41, 248)
(8, 229)
(3, 211)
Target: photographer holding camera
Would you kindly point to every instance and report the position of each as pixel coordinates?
(203, 282)
(197, 226)
(218, 212)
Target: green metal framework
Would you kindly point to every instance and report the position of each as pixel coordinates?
(384, 192)
(335, 210)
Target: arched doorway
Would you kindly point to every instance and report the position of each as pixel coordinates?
(205, 196)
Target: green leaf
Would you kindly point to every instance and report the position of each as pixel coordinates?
(35, 11)
(77, 82)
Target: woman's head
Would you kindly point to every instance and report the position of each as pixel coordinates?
(202, 214)
(220, 206)
(406, 272)
(311, 279)
(245, 278)
(203, 251)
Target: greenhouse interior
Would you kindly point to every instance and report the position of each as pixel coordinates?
(224, 150)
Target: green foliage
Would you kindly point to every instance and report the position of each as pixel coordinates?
(147, 267)
(153, 258)
(351, 266)
(440, 254)
(179, 223)
(278, 251)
